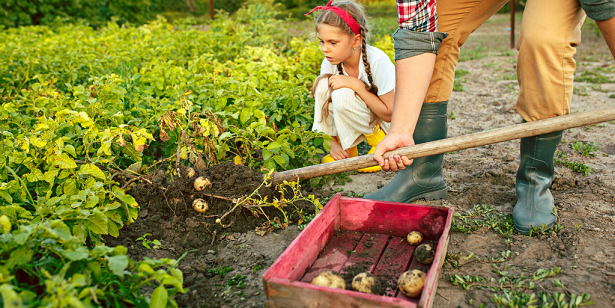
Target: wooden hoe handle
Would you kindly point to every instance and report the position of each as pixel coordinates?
(517, 131)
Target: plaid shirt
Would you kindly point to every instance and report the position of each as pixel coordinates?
(417, 15)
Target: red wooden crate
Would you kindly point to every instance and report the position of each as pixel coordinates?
(352, 234)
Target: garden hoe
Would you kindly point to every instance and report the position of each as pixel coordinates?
(517, 131)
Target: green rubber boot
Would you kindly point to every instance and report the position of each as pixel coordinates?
(534, 200)
(422, 179)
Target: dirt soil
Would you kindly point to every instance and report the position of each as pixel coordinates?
(584, 248)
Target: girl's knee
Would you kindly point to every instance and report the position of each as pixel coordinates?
(343, 94)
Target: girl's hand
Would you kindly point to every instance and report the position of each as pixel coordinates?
(337, 152)
(343, 81)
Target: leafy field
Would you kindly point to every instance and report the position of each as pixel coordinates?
(85, 113)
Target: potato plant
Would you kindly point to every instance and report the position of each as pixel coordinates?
(84, 113)
(43, 264)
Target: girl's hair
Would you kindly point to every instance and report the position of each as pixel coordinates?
(332, 19)
(356, 11)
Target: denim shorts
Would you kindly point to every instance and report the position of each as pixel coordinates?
(599, 10)
(409, 43)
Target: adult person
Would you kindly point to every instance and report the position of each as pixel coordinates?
(425, 68)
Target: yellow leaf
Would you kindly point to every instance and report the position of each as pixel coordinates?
(5, 222)
(25, 146)
(93, 170)
(38, 142)
(65, 162)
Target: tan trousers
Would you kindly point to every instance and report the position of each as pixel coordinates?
(550, 32)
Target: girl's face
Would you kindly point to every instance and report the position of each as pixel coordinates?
(336, 45)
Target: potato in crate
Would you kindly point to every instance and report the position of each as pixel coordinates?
(352, 236)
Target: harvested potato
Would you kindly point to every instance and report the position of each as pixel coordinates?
(190, 172)
(411, 282)
(414, 238)
(200, 205)
(330, 279)
(367, 283)
(425, 253)
(201, 183)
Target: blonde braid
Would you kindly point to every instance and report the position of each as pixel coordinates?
(368, 69)
(325, 106)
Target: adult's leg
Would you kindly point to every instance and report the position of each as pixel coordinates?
(424, 178)
(550, 32)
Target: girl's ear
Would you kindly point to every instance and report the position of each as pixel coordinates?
(358, 41)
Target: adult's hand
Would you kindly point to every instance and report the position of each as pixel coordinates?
(391, 142)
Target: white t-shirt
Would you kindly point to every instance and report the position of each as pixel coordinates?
(383, 70)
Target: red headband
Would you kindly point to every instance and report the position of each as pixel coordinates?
(354, 26)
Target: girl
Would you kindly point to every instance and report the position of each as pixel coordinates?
(354, 92)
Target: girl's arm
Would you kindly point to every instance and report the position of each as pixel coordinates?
(381, 105)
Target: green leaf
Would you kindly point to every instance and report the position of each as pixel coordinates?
(159, 298)
(127, 199)
(76, 255)
(70, 187)
(114, 230)
(75, 302)
(97, 223)
(6, 196)
(145, 268)
(5, 223)
(280, 161)
(266, 154)
(79, 280)
(70, 150)
(170, 280)
(178, 275)
(94, 266)
(130, 151)
(93, 170)
(61, 230)
(38, 142)
(245, 115)
(10, 297)
(117, 264)
(65, 162)
(50, 175)
(19, 256)
(273, 145)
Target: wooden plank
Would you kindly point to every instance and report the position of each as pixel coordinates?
(365, 256)
(315, 233)
(512, 132)
(335, 254)
(394, 261)
(282, 293)
(311, 255)
(392, 218)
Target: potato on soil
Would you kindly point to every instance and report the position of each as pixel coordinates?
(200, 205)
(425, 253)
(367, 283)
(414, 238)
(190, 172)
(411, 282)
(330, 279)
(201, 183)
